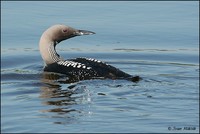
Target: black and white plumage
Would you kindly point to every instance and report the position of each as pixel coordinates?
(79, 68)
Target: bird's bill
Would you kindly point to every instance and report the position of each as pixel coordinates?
(83, 32)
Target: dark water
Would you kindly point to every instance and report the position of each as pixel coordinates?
(158, 41)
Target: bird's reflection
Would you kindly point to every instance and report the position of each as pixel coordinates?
(62, 98)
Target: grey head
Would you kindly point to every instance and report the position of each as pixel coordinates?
(58, 33)
(52, 36)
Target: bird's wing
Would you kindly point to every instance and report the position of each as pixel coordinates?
(102, 68)
(73, 69)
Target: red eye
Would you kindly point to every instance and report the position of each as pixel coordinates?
(65, 30)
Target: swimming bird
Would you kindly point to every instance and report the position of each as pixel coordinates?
(79, 68)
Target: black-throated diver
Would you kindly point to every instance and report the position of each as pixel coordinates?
(79, 68)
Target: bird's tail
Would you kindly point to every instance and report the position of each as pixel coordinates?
(135, 78)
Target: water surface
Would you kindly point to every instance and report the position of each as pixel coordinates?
(158, 41)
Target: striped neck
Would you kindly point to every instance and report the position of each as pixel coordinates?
(48, 52)
(52, 53)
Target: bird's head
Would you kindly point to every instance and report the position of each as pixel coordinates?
(58, 33)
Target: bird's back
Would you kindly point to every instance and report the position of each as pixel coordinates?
(86, 68)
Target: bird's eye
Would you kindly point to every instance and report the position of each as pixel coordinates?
(65, 30)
